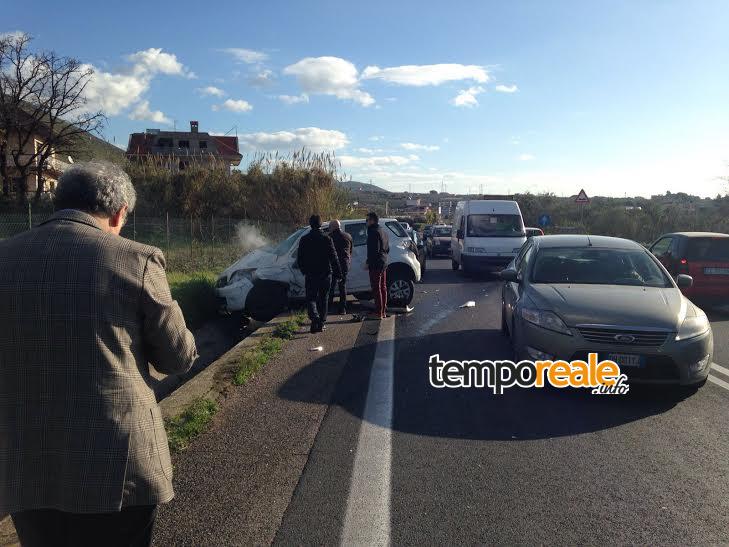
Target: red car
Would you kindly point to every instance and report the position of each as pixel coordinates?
(702, 255)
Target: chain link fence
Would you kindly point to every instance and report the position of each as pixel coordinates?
(189, 244)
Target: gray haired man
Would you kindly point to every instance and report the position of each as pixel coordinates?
(83, 450)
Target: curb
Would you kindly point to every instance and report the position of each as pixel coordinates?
(215, 380)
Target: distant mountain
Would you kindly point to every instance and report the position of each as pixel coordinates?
(356, 186)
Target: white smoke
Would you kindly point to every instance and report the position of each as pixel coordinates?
(250, 237)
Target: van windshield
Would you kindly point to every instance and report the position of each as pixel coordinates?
(494, 225)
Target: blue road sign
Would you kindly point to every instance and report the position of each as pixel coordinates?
(545, 220)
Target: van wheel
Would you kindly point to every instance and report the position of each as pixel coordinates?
(455, 265)
(266, 300)
(400, 289)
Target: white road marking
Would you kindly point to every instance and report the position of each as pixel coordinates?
(367, 521)
(718, 382)
(719, 368)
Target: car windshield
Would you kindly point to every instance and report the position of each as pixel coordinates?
(285, 246)
(493, 225)
(708, 249)
(442, 232)
(598, 266)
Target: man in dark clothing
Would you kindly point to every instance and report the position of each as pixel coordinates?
(343, 246)
(378, 247)
(318, 262)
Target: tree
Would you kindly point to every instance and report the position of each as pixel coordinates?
(431, 217)
(43, 109)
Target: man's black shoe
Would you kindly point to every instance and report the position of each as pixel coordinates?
(314, 327)
(342, 310)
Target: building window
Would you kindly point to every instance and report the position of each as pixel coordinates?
(164, 142)
(203, 145)
(183, 144)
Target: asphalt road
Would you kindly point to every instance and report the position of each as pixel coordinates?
(410, 464)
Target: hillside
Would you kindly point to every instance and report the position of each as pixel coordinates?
(356, 186)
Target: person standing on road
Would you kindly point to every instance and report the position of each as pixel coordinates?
(318, 262)
(343, 245)
(378, 247)
(84, 458)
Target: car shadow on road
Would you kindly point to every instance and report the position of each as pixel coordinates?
(476, 413)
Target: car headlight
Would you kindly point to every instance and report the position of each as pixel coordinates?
(222, 282)
(693, 326)
(545, 319)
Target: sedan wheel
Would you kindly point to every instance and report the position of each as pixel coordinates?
(400, 291)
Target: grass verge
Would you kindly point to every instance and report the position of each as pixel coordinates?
(195, 293)
(188, 425)
(254, 359)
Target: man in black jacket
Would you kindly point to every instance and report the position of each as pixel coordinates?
(317, 261)
(378, 247)
(343, 245)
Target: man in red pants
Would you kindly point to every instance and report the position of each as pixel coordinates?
(378, 247)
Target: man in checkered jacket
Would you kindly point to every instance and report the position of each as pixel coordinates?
(83, 451)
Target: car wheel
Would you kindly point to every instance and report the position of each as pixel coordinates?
(400, 289)
(454, 265)
(266, 300)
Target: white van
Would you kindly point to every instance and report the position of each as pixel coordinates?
(487, 234)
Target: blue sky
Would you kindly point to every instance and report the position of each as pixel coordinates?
(616, 97)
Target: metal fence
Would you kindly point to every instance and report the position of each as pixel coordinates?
(189, 244)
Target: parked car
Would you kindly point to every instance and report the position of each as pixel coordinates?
(422, 251)
(702, 255)
(487, 234)
(262, 282)
(567, 295)
(531, 232)
(427, 231)
(439, 242)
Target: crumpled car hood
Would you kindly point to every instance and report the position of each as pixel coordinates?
(252, 261)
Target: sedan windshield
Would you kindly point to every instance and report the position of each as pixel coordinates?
(495, 226)
(442, 232)
(284, 247)
(598, 266)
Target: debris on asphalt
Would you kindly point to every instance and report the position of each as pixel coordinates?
(317, 348)
(469, 304)
(408, 309)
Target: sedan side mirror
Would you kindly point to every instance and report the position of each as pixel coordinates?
(509, 275)
(459, 234)
(684, 281)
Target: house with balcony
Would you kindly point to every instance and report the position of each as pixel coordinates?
(178, 150)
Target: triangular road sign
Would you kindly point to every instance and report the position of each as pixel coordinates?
(582, 197)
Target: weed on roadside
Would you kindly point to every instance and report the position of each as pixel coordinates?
(188, 425)
(254, 359)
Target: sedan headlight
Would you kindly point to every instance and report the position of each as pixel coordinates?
(693, 326)
(545, 319)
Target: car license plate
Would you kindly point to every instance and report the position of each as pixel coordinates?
(626, 360)
(716, 271)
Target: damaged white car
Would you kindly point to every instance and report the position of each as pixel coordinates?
(262, 282)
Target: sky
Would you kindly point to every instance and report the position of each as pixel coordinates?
(619, 98)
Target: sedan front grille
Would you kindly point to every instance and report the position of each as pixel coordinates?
(623, 337)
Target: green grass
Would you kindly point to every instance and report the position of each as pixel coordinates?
(256, 358)
(195, 293)
(188, 425)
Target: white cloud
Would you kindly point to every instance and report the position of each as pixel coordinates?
(114, 92)
(467, 97)
(211, 91)
(527, 157)
(365, 150)
(234, 105)
(247, 56)
(376, 138)
(143, 112)
(424, 147)
(422, 75)
(262, 78)
(156, 61)
(376, 162)
(294, 99)
(12, 35)
(311, 138)
(506, 88)
(329, 76)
